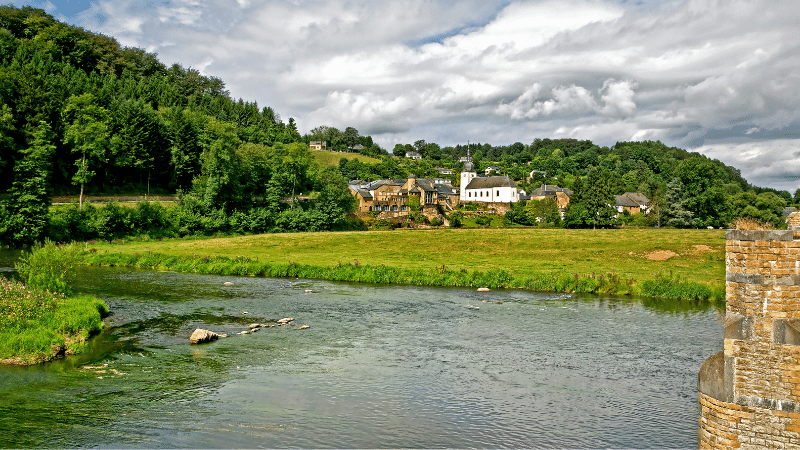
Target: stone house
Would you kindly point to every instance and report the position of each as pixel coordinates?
(391, 197)
(633, 202)
(561, 195)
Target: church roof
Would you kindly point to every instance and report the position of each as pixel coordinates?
(490, 182)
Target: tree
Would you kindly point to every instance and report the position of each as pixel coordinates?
(675, 213)
(400, 151)
(137, 138)
(86, 131)
(218, 185)
(599, 196)
(335, 200)
(350, 137)
(703, 193)
(544, 211)
(30, 193)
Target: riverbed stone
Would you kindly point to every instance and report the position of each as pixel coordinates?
(200, 336)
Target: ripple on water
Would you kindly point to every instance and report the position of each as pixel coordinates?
(379, 367)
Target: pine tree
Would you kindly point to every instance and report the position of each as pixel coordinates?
(30, 193)
(675, 213)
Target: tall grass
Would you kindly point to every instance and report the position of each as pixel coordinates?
(377, 274)
(667, 285)
(49, 267)
(36, 325)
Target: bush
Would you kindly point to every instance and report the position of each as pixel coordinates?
(49, 267)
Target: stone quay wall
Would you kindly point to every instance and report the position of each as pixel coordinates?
(749, 393)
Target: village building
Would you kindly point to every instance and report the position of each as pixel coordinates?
(633, 202)
(318, 145)
(499, 191)
(392, 196)
(491, 169)
(413, 155)
(561, 195)
(443, 171)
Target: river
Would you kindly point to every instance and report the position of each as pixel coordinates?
(379, 366)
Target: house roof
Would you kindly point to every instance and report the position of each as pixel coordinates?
(549, 190)
(490, 182)
(631, 199)
(364, 194)
(445, 189)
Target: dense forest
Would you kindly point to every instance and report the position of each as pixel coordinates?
(81, 114)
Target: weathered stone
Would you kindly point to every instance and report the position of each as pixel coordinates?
(711, 379)
(303, 327)
(484, 289)
(286, 320)
(200, 336)
(227, 283)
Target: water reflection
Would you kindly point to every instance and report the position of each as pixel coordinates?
(380, 366)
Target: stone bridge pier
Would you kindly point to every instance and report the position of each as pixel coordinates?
(749, 393)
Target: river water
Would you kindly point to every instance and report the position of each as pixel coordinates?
(379, 366)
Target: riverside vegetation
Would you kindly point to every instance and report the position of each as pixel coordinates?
(38, 319)
(678, 264)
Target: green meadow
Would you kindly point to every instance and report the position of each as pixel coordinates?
(659, 263)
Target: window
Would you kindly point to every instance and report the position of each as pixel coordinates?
(403, 208)
(498, 192)
(394, 207)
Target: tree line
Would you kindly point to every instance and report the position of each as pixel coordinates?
(81, 113)
(687, 189)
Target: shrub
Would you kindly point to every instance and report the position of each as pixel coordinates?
(49, 267)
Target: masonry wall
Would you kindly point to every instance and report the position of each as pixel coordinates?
(749, 392)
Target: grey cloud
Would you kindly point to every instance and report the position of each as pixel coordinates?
(687, 72)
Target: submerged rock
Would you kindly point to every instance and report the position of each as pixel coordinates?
(200, 336)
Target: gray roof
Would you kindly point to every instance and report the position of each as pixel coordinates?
(490, 182)
(445, 189)
(549, 190)
(364, 194)
(631, 199)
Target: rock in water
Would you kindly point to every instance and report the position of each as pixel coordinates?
(227, 283)
(285, 320)
(484, 289)
(199, 336)
(304, 327)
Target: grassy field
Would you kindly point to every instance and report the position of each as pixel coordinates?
(635, 254)
(326, 158)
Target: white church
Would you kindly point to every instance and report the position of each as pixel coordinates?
(495, 189)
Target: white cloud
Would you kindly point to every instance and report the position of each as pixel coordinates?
(688, 72)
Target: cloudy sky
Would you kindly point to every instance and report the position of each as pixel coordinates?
(721, 77)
